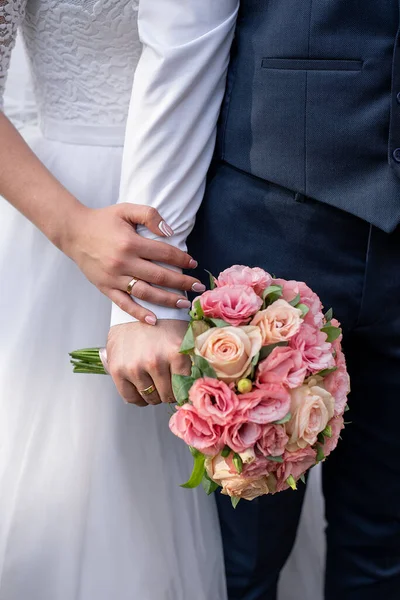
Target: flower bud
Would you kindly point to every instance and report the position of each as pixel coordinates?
(244, 386)
(291, 482)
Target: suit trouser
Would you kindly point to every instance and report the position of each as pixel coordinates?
(355, 268)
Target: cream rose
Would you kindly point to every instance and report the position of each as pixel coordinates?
(234, 484)
(229, 350)
(278, 323)
(311, 407)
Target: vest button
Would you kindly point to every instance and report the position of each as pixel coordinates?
(396, 155)
(398, 97)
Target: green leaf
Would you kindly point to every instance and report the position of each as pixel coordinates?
(181, 385)
(196, 373)
(226, 452)
(332, 332)
(237, 461)
(284, 420)
(329, 315)
(266, 350)
(320, 453)
(219, 323)
(304, 309)
(197, 473)
(295, 300)
(327, 432)
(272, 293)
(208, 484)
(235, 501)
(198, 309)
(321, 438)
(199, 327)
(188, 342)
(205, 368)
(212, 279)
(326, 372)
(277, 459)
(346, 408)
(303, 479)
(291, 482)
(254, 363)
(193, 451)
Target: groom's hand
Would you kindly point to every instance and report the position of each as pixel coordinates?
(140, 356)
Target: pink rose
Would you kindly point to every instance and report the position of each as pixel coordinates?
(278, 323)
(336, 424)
(294, 464)
(256, 278)
(311, 409)
(229, 350)
(259, 467)
(234, 304)
(195, 431)
(315, 350)
(214, 401)
(265, 405)
(273, 440)
(241, 436)
(284, 365)
(290, 289)
(338, 384)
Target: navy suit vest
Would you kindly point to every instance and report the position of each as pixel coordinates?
(313, 102)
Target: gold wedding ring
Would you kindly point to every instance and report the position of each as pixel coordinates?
(148, 390)
(130, 285)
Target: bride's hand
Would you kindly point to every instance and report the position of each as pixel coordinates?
(140, 356)
(105, 246)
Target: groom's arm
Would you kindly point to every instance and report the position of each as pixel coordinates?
(176, 98)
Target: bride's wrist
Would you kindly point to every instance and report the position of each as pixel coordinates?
(67, 239)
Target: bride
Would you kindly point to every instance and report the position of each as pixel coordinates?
(90, 504)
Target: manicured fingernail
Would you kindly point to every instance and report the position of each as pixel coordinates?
(198, 287)
(193, 263)
(150, 319)
(183, 303)
(166, 229)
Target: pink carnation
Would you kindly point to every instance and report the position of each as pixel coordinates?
(256, 278)
(290, 289)
(295, 464)
(267, 404)
(241, 436)
(214, 400)
(187, 424)
(338, 383)
(273, 440)
(315, 350)
(259, 467)
(284, 365)
(234, 304)
(337, 424)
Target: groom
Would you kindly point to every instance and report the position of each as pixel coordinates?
(304, 183)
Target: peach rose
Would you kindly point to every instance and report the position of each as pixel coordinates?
(256, 278)
(284, 365)
(214, 400)
(195, 431)
(232, 483)
(229, 350)
(294, 464)
(311, 407)
(234, 304)
(290, 289)
(317, 353)
(278, 323)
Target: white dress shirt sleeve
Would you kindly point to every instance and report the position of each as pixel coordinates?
(176, 98)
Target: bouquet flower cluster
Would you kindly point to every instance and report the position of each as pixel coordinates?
(268, 388)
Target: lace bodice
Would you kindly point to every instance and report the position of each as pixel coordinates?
(82, 53)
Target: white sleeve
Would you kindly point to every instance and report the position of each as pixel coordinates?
(176, 98)
(12, 13)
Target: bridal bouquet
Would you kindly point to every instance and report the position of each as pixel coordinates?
(268, 387)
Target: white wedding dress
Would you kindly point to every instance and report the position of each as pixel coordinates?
(90, 503)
